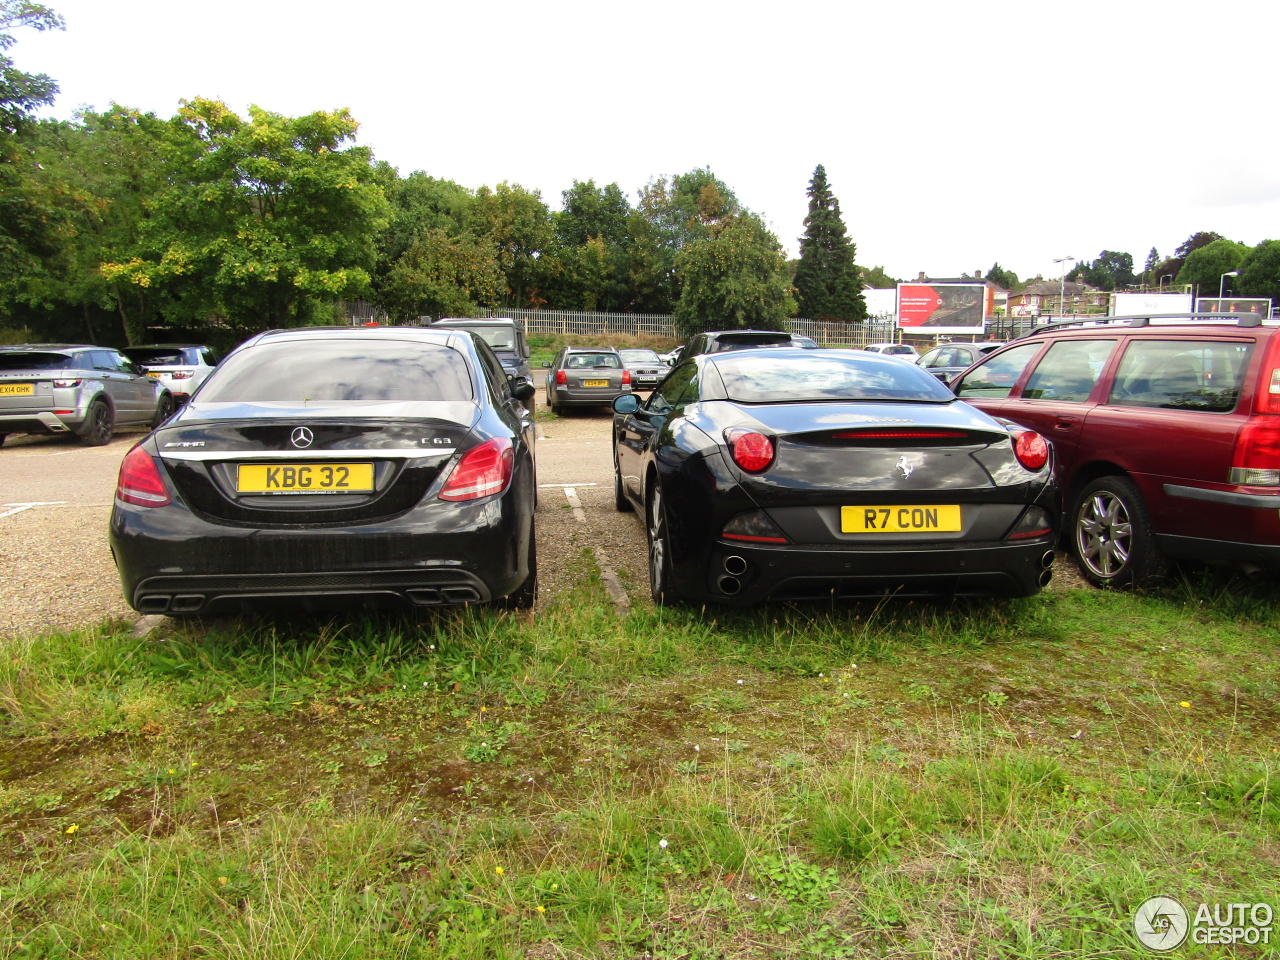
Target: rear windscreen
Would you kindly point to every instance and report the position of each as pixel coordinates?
(338, 370)
(751, 378)
(34, 361)
(157, 357)
(743, 341)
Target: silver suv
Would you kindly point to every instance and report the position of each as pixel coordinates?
(76, 388)
(179, 366)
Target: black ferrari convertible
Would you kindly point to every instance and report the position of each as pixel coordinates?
(808, 474)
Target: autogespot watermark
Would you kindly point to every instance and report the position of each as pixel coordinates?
(1163, 923)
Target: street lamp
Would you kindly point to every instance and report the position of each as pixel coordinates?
(1062, 285)
(1221, 284)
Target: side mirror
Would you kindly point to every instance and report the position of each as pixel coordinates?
(523, 390)
(626, 403)
(546, 363)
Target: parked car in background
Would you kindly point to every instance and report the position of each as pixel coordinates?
(718, 341)
(335, 466)
(645, 366)
(893, 349)
(1167, 433)
(672, 357)
(179, 366)
(76, 388)
(827, 474)
(504, 335)
(947, 360)
(585, 377)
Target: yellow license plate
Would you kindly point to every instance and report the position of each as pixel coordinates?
(154, 373)
(17, 389)
(304, 478)
(595, 383)
(935, 518)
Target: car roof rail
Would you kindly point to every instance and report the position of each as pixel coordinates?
(1144, 320)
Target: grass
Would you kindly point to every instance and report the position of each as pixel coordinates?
(898, 780)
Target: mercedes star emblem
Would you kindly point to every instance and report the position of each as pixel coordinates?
(302, 437)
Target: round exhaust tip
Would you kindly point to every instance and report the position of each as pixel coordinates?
(1047, 560)
(1045, 577)
(735, 566)
(729, 585)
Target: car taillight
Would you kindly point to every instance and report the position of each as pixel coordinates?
(1031, 449)
(1257, 455)
(140, 481)
(561, 377)
(1268, 398)
(180, 374)
(67, 383)
(626, 377)
(482, 471)
(752, 451)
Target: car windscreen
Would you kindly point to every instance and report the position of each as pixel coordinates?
(31, 360)
(751, 378)
(500, 338)
(159, 355)
(338, 370)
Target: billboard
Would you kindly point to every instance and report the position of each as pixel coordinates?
(942, 307)
(1259, 305)
(1145, 304)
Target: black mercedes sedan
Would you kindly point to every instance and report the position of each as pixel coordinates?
(334, 466)
(820, 474)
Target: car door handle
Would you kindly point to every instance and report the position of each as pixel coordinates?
(1065, 424)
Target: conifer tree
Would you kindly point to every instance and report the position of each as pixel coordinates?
(827, 283)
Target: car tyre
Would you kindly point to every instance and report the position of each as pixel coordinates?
(526, 595)
(2, 436)
(99, 425)
(661, 583)
(620, 501)
(1111, 536)
(164, 410)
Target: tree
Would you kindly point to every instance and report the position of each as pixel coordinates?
(734, 279)
(1205, 265)
(22, 93)
(1005, 279)
(1111, 271)
(592, 248)
(1260, 272)
(1153, 258)
(266, 221)
(876, 278)
(518, 224)
(827, 283)
(443, 276)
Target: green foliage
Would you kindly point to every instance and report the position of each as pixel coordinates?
(22, 93)
(1002, 277)
(265, 219)
(1260, 272)
(1111, 271)
(1205, 265)
(518, 225)
(442, 276)
(828, 286)
(734, 279)
(876, 278)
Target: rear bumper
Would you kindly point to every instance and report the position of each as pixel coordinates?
(172, 561)
(39, 422)
(563, 396)
(741, 573)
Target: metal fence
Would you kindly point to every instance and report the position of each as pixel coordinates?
(601, 324)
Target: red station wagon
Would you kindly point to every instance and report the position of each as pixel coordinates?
(1166, 432)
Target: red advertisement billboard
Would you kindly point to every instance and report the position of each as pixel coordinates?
(942, 307)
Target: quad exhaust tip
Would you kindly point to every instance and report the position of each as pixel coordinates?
(1046, 561)
(735, 566)
(729, 585)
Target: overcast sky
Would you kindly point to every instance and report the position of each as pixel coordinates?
(954, 134)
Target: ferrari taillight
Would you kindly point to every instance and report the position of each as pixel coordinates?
(750, 450)
(482, 471)
(1031, 449)
(140, 481)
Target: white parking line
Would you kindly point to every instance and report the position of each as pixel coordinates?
(19, 507)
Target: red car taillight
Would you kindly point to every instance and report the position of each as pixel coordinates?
(750, 450)
(1257, 455)
(1268, 398)
(626, 377)
(561, 377)
(140, 481)
(482, 471)
(1031, 449)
